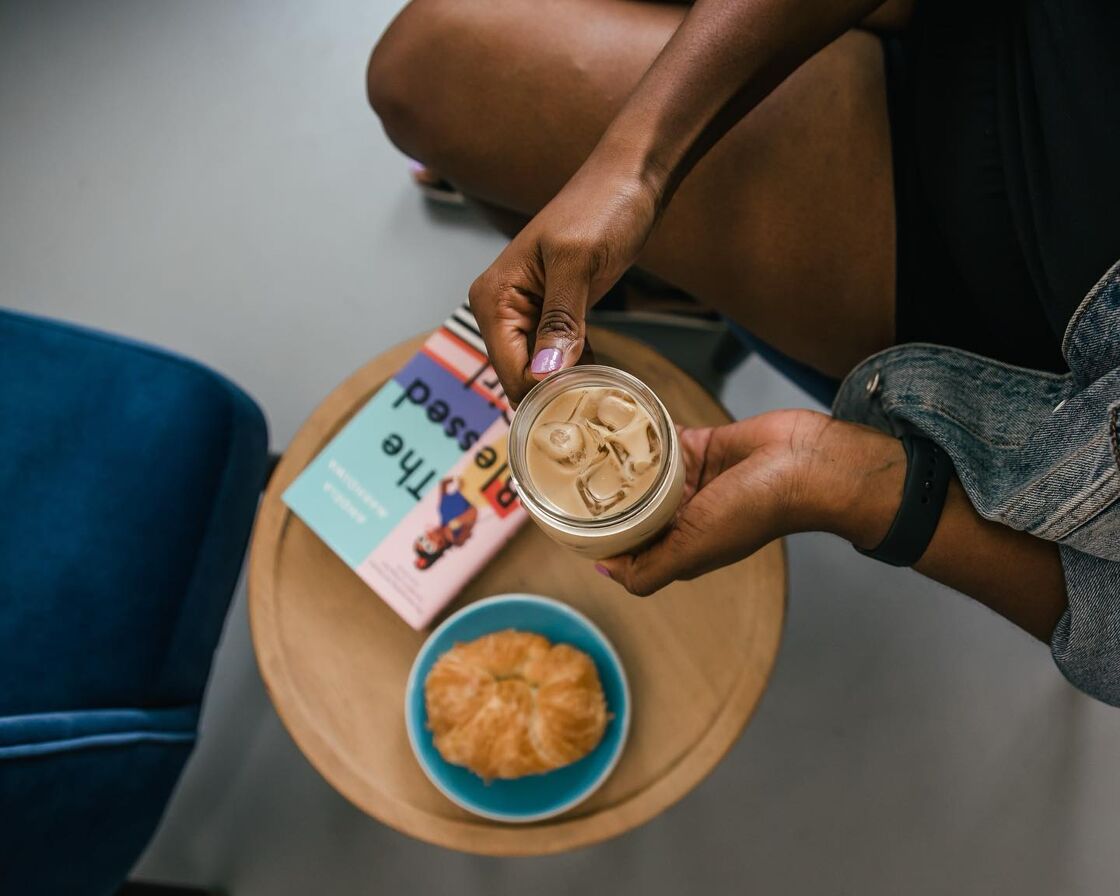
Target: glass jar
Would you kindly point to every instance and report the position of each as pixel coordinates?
(613, 533)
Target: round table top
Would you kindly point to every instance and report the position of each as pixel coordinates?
(335, 658)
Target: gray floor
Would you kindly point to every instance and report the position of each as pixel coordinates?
(206, 176)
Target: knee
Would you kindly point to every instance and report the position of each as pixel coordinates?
(404, 73)
(390, 85)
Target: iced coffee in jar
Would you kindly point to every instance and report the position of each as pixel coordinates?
(596, 460)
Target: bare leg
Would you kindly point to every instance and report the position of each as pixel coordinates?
(787, 225)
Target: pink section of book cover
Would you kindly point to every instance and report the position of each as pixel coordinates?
(449, 535)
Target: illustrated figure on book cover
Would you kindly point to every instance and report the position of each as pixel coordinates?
(457, 517)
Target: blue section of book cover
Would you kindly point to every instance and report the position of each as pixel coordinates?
(393, 451)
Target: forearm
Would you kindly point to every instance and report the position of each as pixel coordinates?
(860, 474)
(1016, 574)
(725, 57)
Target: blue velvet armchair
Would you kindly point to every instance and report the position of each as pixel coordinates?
(129, 478)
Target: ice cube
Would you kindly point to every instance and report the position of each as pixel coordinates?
(604, 485)
(615, 410)
(638, 445)
(562, 442)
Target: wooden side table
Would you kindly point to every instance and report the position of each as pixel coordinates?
(335, 658)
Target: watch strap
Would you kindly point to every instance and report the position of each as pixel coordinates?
(928, 471)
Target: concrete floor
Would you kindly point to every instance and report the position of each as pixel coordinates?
(207, 176)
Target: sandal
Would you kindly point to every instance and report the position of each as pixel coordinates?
(434, 186)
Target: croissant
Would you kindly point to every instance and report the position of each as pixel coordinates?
(511, 704)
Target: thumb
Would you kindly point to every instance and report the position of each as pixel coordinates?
(677, 554)
(709, 531)
(561, 331)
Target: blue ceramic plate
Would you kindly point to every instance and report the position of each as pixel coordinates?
(534, 797)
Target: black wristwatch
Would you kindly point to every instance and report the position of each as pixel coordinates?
(928, 471)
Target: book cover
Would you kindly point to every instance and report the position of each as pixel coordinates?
(414, 493)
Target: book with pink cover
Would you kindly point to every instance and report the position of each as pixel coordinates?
(414, 493)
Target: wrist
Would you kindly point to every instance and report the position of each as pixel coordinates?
(630, 156)
(854, 481)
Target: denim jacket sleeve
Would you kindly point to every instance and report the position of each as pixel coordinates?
(1036, 451)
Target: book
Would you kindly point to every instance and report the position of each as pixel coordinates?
(414, 493)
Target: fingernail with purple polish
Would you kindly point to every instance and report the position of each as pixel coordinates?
(602, 570)
(547, 360)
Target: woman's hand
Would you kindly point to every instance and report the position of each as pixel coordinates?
(799, 471)
(532, 301)
(750, 482)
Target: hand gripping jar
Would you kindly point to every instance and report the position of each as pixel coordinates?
(574, 399)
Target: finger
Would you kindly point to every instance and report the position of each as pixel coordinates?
(731, 518)
(511, 359)
(505, 317)
(733, 443)
(588, 355)
(696, 542)
(560, 332)
(668, 559)
(694, 450)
